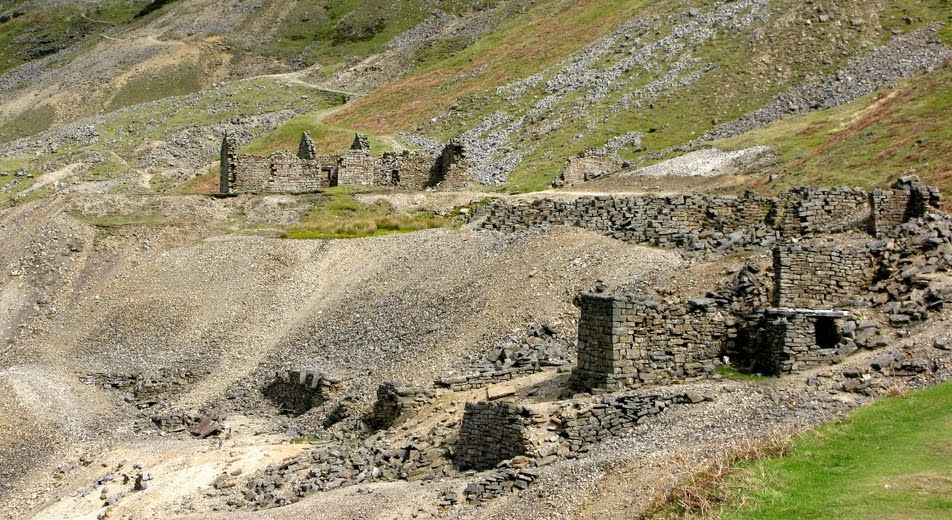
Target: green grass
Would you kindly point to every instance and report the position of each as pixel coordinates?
(28, 123)
(734, 374)
(889, 460)
(179, 80)
(338, 215)
(119, 221)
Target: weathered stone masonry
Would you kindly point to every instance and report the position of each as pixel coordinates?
(626, 343)
(702, 221)
(491, 432)
(309, 171)
(820, 274)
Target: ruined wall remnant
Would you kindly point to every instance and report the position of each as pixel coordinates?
(296, 391)
(716, 222)
(306, 149)
(394, 403)
(490, 433)
(615, 416)
(778, 341)
(227, 159)
(820, 274)
(627, 343)
(309, 171)
(908, 199)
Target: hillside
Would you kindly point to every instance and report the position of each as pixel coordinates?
(534, 259)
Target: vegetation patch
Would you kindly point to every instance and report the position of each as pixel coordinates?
(867, 143)
(736, 374)
(337, 215)
(118, 221)
(891, 459)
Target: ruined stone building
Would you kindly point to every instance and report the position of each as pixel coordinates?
(309, 171)
(822, 266)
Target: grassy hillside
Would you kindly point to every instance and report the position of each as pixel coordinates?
(707, 78)
(869, 142)
(892, 459)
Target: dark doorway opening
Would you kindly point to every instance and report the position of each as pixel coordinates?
(826, 332)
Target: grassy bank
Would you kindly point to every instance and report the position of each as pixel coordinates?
(891, 459)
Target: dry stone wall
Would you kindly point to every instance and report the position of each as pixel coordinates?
(615, 416)
(626, 343)
(780, 341)
(908, 199)
(491, 432)
(821, 274)
(714, 222)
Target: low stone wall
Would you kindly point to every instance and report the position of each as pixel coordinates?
(702, 222)
(627, 343)
(821, 274)
(395, 403)
(490, 433)
(485, 378)
(615, 416)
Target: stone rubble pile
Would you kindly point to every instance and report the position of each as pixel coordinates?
(518, 354)
(914, 279)
(613, 416)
